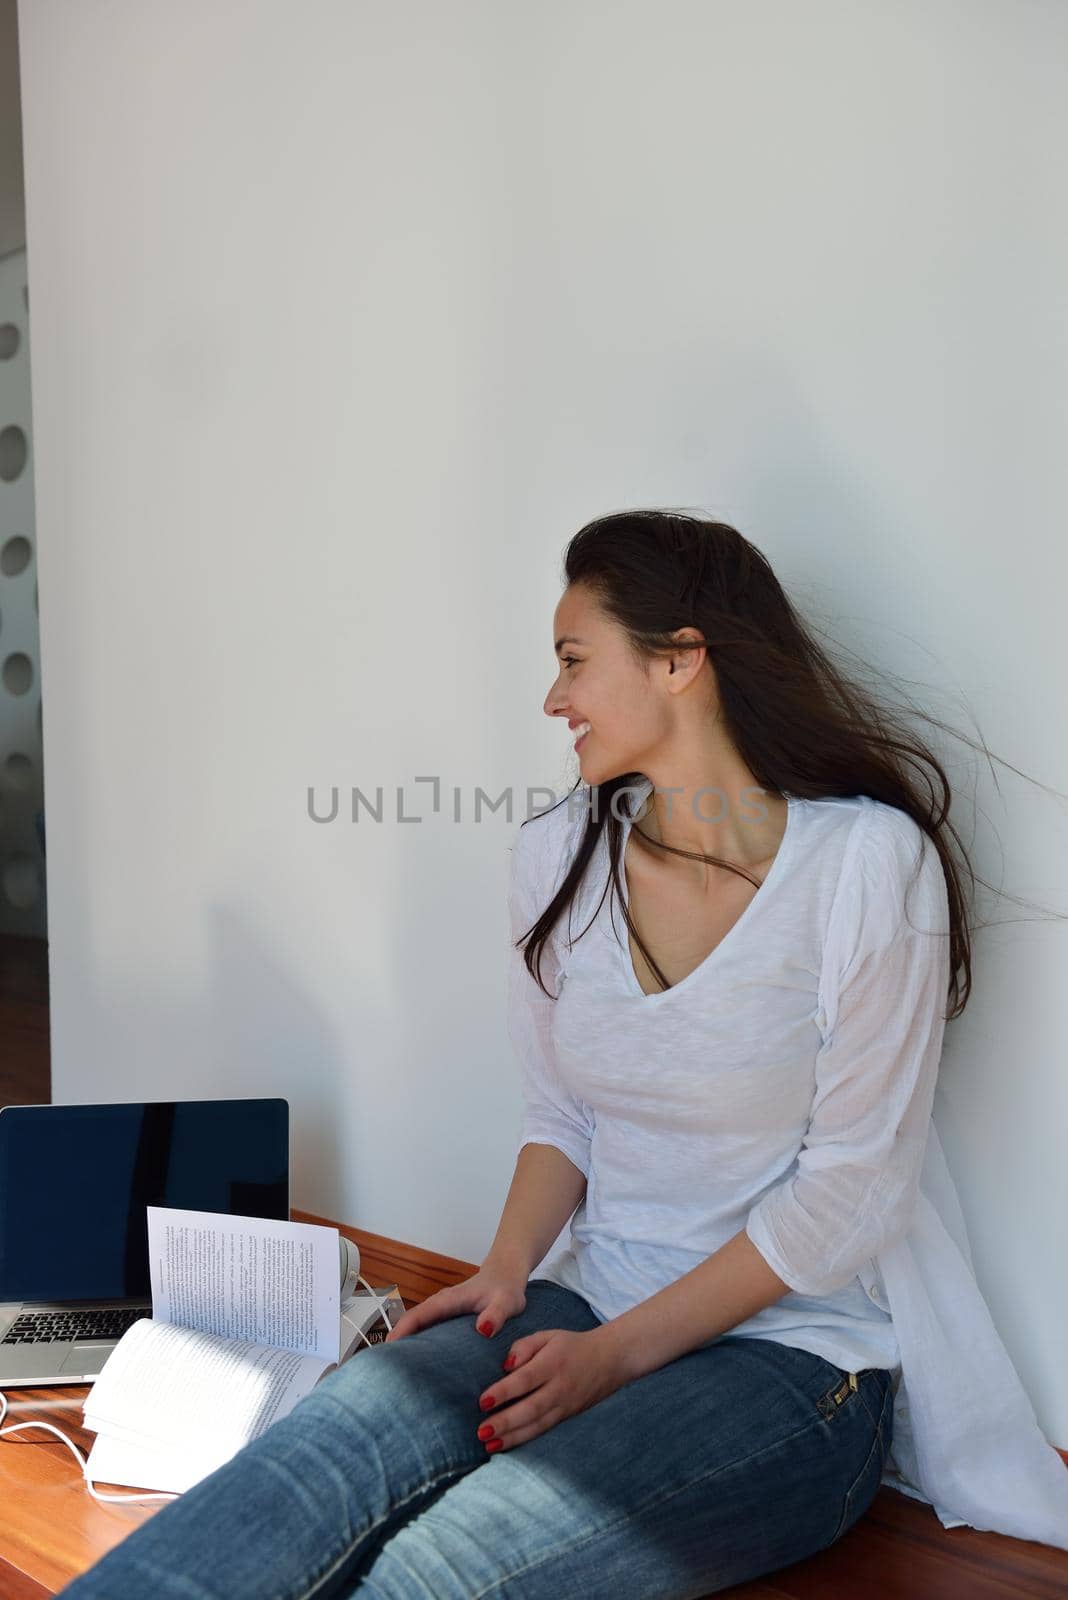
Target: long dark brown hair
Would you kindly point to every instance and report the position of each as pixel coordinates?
(799, 723)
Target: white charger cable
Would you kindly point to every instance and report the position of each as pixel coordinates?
(7, 1406)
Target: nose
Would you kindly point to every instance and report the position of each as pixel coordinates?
(554, 706)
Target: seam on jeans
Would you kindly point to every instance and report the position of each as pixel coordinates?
(653, 1500)
(876, 1444)
(399, 1505)
(887, 1411)
(874, 1420)
(877, 1421)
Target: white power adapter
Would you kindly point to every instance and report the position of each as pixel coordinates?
(361, 1311)
(350, 1266)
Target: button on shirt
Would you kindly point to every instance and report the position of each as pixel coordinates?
(784, 1086)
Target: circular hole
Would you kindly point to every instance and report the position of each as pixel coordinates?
(9, 340)
(12, 452)
(18, 771)
(20, 882)
(15, 556)
(18, 673)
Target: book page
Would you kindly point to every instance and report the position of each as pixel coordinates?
(167, 1385)
(247, 1278)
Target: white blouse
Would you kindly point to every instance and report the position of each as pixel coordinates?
(785, 1086)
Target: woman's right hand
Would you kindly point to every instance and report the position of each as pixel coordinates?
(493, 1294)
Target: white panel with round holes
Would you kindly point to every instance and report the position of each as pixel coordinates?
(22, 862)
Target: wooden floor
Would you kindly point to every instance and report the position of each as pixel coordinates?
(898, 1551)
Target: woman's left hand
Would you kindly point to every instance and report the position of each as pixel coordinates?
(555, 1374)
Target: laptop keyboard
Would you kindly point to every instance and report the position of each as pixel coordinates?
(45, 1327)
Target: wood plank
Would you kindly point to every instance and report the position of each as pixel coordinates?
(50, 1526)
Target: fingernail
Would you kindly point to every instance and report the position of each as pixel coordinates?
(487, 1404)
(486, 1328)
(495, 1444)
(487, 1431)
(509, 1363)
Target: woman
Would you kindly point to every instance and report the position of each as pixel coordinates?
(767, 1306)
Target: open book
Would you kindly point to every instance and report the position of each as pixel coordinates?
(247, 1317)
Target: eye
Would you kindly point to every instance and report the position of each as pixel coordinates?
(567, 661)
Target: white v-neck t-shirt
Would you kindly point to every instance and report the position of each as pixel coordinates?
(685, 1106)
(784, 1086)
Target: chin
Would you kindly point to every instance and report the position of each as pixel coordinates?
(595, 772)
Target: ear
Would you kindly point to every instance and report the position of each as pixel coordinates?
(685, 664)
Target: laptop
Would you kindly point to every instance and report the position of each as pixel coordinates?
(75, 1182)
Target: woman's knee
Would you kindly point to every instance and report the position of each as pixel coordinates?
(447, 1365)
(441, 1365)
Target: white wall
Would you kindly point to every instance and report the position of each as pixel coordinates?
(345, 319)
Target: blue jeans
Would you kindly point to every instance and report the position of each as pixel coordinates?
(731, 1461)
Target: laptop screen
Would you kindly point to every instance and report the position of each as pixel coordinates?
(75, 1181)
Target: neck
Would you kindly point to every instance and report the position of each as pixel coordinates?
(737, 820)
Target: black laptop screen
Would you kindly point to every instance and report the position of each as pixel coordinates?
(75, 1181)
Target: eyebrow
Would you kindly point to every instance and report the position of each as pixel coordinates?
(568, 638)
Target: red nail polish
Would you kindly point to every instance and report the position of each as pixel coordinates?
(487, 1431)
(495, 1444)
(487, 1404)
(486, 1328)
(509, 1363)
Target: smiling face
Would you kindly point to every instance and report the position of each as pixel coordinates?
(601, 682)
(662, 717)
